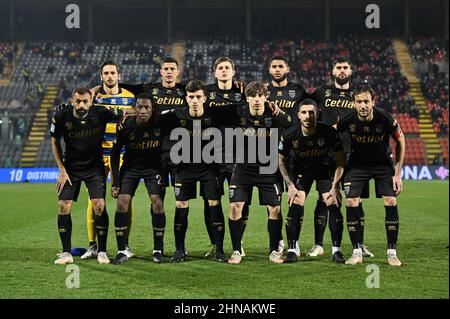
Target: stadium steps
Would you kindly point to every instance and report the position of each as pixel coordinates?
(178, 53)
(39, 128)
(425, 122)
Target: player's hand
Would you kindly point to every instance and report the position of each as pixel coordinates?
(397, 184)
(240, 85)
(63, 177)
(292, 194)
(115, 191)
(274, 108)
(335, 193)
(95, 90)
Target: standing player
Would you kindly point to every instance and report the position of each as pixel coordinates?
(112, 97)
(141, 136)
(370, 157)
(258, 124)
(286, 95)
(82, 127)
(190, 172)
(222, 94)
(335, 101)
(308, 149)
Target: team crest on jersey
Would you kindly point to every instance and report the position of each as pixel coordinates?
(327, 92)
(124, 101)
(295, 144)
(238, 96)
(321, 141)
(183, 122)
(268, 122)
(243, 121)
(113, 101)
(157, 132)
(292, 93)
(155, 91)
(352, 128)
(379, 128)
(69, 125)
(179, 92)
(212, 95)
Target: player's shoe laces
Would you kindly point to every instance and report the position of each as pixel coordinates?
(120, 259)
(211, 251)
(157, 256)
(393, 260)
(128, 252)
(275, 257)
(179, 256)
(219, 256)
(64, 258)
(281, 246)
(366, 252)
(338, 257)
(90, 253)
(291, 257)
(297, 249)
(356, 258)
(315, 251)
(242, 250)
(235, 257)
(102, 258)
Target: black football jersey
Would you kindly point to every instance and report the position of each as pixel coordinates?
(287, 98)
(333, 103)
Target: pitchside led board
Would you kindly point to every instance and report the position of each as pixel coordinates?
(50, 175)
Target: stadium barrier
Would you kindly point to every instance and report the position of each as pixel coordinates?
(50, 175)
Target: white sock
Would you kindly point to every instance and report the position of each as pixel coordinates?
(291, 250)
(357, 251)
(122, 252)
(335, 249)
(392, 252)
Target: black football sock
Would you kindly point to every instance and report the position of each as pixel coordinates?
(336, 225)
(101, 225)
(354, 227)
(207, 218)
(65, 231)
(217, 225)
(275, 227)
(320, 222)
(159, 227)
(236, 230)
(294, 221)
(361, 220)
(121, 226)
(180, 226)
(392, 225)
(245, 212)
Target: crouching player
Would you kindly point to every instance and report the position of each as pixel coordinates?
(141, 137)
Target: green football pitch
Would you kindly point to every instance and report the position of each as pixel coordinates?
(29, 244)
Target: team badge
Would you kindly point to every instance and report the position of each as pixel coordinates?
(238, 96)
(327, 92)
(125, 101)
(157, 132)
(183, 122)
(321, 141)
(243, 121)
(113, 101)
(180, 93)
(292, 93)
(379, 128)
(212, 95)
(295, 144)
(268, 122)
(169, 91)
(352, 128)
(155, 91)
(69, 125)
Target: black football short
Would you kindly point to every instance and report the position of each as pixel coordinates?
(168, 168)
(357, 177)
(93, 178)
(269, 193)
(130, 178)
(186, 184)
(324, 181)
(225, 172)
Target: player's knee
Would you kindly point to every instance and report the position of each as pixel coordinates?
(236, 210)
(389, 201)
(99, 206)
(329, 200)
(123, 203)
(157, 204)
(64, 207)
(213, 203)
(274, 212)
(182, 204)
(353, 202)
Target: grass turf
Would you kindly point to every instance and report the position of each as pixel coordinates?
(29, 243)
